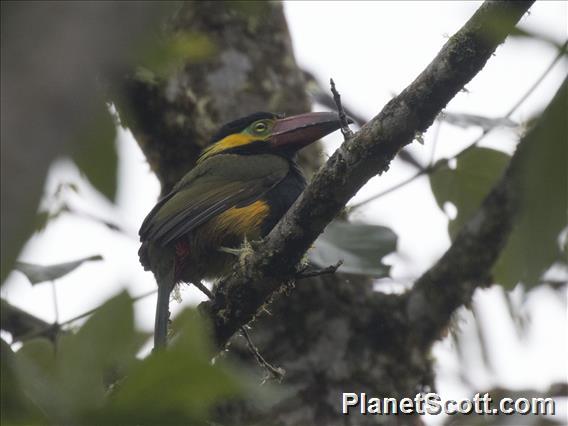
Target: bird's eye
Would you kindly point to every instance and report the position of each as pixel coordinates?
(260, 127)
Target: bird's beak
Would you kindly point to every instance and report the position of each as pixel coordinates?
(301, 130)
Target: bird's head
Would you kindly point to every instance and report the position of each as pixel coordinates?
(265, 132)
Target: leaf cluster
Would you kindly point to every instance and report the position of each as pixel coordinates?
(535, 244)
(94, 376)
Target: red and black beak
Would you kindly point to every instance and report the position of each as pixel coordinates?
(301, 130)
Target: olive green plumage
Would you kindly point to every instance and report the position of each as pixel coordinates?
(213, 187)
(241, 186)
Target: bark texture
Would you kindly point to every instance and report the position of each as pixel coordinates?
(253, 70)
(368, 153)
(331, 334)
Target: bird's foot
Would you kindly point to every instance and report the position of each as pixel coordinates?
(243, 252)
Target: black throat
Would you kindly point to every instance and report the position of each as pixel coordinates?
(282, 196)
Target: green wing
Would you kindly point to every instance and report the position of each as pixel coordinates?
(218, 184)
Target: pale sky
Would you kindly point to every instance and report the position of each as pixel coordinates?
(372, 50)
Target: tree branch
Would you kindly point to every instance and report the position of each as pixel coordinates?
(467, 263)
(239, 296)
(434, 166)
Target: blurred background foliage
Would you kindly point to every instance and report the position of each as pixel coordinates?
(51, 76)
(94, 375)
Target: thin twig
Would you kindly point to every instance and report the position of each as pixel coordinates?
(55, 304)
(467, 263)
(56, 326)
(113, 226)
(320, 95)
(203, 289)
(434, 143)
(405, 182)
(276, 372)
(523, 98)
(555, 284)
(308, 273)
(347, 133)
(473, 144)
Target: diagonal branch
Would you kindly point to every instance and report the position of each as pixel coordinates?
(434, 166)
(239, 296)
(467, 263)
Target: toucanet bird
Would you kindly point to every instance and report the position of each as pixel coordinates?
(242, 184)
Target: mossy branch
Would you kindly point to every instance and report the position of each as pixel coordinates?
(239, 296)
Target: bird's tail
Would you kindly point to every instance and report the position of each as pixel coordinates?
(162, 317)
(165, 287)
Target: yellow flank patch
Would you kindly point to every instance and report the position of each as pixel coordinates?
(227, 142)
(243, 221)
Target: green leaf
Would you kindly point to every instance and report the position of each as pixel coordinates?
(41, 352)
(33, 367)
(38, 273)
(112, 329)
(15, 405)
(173, 386)
(100, 352)
(534, 243)
(70, 384)
(477, 170)
(360, 246)
(95, 153)
(62, 99)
